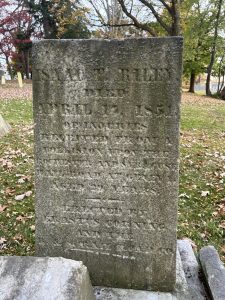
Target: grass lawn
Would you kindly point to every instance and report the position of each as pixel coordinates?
(202, 175)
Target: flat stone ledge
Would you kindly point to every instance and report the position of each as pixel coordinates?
(34, 278)
(214, 272)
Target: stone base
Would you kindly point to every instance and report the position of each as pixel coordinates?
(188, 285)
(181, 292)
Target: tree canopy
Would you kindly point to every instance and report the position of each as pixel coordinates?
(200, 22)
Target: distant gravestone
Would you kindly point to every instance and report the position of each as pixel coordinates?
(4, 127)
(106, 139)
(1, 73)
(2, 77)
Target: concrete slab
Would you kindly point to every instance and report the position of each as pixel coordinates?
(35, 278)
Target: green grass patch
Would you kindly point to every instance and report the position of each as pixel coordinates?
(16, 168)
(16, 111)
(203, 117)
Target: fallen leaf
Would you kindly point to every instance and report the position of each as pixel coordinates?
(221, 210)
(21, 180)
(3, 243)
(222, 225)
(21, 219)
(3, 207)
(205, 193)
(184, 195)
(18, 237)
(9, 192)
(28, 193)
(19, 197)
(32, 227)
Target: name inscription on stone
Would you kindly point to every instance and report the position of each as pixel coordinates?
(106, 141)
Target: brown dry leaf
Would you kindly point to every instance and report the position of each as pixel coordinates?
(10, 192)
(18, 237)
(221, 210)
(3, 207)
(21, 219)
(222, 225)
(223, 249)
(6, 163)
(3, 242)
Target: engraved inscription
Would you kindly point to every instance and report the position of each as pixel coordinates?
(150, 74)
(106, 165)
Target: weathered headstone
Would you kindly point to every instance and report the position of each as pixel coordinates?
(4, 127)
(106, 139)
(1, 73)
(20, 79)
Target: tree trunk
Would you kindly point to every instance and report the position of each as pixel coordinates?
(9, 67)
(48, 24)
(213, 52)
(219, 74)
(192, 82)
(222, 83)
(176, 31)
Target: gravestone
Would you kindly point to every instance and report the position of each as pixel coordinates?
(2, 77)
(2, 73)
(4, 127)
(106, 144)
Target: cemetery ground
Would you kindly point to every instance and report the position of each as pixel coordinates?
(202, 172)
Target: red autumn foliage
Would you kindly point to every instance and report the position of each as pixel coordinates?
(16, 31)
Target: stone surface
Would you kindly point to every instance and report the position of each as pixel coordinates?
(106, 138)
(1, 74)
(192, 270)
(4, 127)
(214, 272)
(181, 291)
(34, 278)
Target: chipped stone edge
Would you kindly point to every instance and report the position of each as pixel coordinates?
(214, 272)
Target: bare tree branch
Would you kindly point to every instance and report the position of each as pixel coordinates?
(97, 11)
(156, 15)
(166, 6)
(119, 25)
(136, 22)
